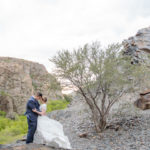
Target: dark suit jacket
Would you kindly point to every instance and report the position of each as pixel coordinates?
(32, 104)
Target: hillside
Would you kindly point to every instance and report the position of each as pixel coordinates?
(19, 79)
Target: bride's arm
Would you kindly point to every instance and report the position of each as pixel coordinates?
(43, 112)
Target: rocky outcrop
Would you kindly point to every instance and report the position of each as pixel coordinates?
(144, 101)
(137, 45)
(19, 79)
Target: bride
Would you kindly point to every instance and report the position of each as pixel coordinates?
(49, 131)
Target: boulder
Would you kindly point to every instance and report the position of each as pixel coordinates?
(144, 101)
(19, 79)
(137, 45)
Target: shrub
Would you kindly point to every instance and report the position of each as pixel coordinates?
(56, 105)
(11, 130)
(2, 113)
(68, 98)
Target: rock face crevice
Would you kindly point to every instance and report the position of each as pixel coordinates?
(19, 79)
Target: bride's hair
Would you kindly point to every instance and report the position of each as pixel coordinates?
(44, 99)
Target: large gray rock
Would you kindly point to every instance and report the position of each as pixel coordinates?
(19, 79)
(137, 45)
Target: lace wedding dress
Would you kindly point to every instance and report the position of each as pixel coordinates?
(50, 132)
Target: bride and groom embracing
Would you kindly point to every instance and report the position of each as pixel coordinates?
(41, 129)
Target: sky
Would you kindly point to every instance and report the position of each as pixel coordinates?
(37, 29)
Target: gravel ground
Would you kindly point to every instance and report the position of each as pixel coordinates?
(128, 129)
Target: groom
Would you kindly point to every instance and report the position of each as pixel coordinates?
(32, 116)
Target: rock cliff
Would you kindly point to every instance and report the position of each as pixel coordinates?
(137, 45)
(19, 79)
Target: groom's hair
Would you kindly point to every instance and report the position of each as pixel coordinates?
(39, 94)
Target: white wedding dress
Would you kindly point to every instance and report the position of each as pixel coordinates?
(50, 132)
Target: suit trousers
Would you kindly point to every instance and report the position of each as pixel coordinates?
(32, 125)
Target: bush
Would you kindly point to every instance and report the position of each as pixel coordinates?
(4, 122)
(11, 130)
(68, 98)
(2, 113)
(56, 105)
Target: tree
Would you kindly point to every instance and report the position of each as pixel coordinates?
(101, 76)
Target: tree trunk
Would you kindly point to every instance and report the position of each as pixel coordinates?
(102, 124)
(96, 119)
(100, 121)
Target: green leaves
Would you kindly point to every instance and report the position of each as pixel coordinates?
(11, 130)
(56, 105)
(91, 65)
(2, 113)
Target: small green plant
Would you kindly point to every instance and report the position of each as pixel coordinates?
(3, 93)
(34, 85)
